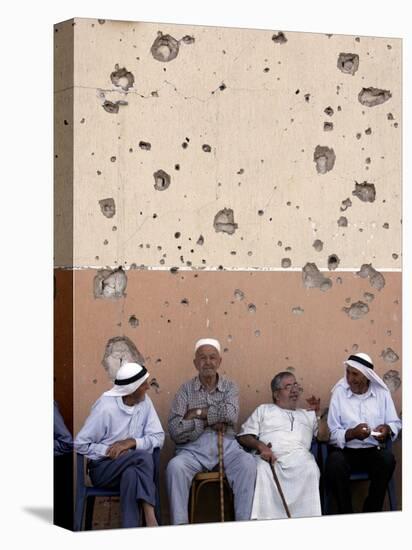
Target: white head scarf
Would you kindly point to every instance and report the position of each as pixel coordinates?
(360, 362)
(129, 377)
(207, 342)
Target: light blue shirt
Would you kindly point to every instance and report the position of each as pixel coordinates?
(110, 420)
(347, 410)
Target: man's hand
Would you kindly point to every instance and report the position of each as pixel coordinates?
(361, 431)
(313, 404)
(384, 430)
(120, 447)
(266, 453)
(219, 427)
(192, 413)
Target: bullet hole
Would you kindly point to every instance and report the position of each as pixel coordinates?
(347, 203)
(318, 245)
(162, 180)
(105, 242)
(343, 222)
(307, 98)
(177, 167)
(113, 107)
(98, 172)
(376, 279)
(188, 39)
(206, 148)
(392, 380)
(120, 350)
(368, 160)
(365, 191)
(177, 235)
(291, 369)
(133, 321)
(339, 280)
(174, 270)
(101, 21)
(395, 256)
(358, 135)
(348, 63)
(112, 159)
(65, 123)
(357, 310)
(110, 284)
(185, 145)
(355, 348)
(385, 225)
(108, 207)
(370, 97)
(288, 248)
(328, 126)
(239, 294)
(145, 145)
(329, 111)
(251, 308)
(333, 262)
(224, 222)
(313, 278)
(154, 384)
(297, 310)
(279, 243)
(389, 356)
(266, 70)
(257, 333)
(165, 48)
(368, 131)
(324, 157)
(389, 116)
(122, 78)
(279, 38)
(222, 87)
(286, 262)
(368, 297)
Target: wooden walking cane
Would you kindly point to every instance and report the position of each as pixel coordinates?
(277, 483)
(222, 494)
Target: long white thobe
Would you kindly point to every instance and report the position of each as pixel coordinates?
(290, 432)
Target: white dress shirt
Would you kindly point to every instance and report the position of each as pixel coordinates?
(110, 420)
(347, 410)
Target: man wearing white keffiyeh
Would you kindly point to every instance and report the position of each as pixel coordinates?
(118, 438)
(361, 418)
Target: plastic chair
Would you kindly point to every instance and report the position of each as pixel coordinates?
(357, 476)
(86, 494)
(200, 480)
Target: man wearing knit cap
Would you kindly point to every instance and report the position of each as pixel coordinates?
(118, 438)
(361, 418)
(204, 405)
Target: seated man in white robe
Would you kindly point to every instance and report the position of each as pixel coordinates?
(118, 438)
(281, 435)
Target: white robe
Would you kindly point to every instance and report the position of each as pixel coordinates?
(295, 466)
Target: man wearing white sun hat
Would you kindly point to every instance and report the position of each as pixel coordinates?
(118, 438)
(361, 418)
(203, 406)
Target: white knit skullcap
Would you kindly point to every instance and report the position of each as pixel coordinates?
(207, 342)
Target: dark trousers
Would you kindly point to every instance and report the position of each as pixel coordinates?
(377, 461)
(63, 491)
(133, 474)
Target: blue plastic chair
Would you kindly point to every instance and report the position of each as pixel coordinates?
(357, 476)
(85, 495)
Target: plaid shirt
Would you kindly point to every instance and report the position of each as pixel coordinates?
(222, 404)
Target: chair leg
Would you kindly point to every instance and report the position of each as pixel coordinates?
(193, 502)
(79, 511)
(89, 513)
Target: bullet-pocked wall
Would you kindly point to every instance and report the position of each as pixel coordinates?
(236, 183)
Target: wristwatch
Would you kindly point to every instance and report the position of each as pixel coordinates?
(198, 412)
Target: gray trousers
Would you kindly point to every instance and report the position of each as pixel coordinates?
(200, 455)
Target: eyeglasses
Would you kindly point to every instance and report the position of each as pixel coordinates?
(295, 386)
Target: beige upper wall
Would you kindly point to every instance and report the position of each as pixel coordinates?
(258, 125)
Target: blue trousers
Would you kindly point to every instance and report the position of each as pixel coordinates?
(133, 474)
